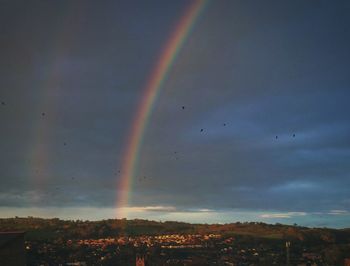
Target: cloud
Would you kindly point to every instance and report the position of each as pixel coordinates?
(263, 77)
(170, 209)
(285, 215)
(150, 209)
(339, 212)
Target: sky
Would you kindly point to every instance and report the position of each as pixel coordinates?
(251, 123)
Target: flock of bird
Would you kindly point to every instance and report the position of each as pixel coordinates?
(43, 114)
(201, 130)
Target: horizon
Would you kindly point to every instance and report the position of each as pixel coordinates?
(288, 218)
(194, 111)
(174, 221)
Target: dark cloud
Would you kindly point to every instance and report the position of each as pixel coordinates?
(261, 69)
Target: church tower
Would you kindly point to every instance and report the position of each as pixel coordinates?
(140, 261)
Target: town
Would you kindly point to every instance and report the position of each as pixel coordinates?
(176, 249)
(128, 242)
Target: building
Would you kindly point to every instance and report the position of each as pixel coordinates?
(12, 249)
(140, 261)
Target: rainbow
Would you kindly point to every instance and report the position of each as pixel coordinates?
(151, 93)
(61, 45)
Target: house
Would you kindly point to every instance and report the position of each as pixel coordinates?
(12, 249)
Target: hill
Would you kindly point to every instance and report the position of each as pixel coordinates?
(39, 228)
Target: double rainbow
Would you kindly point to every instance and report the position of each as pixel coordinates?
(151, 92)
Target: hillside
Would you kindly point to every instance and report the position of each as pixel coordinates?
(38, 228)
